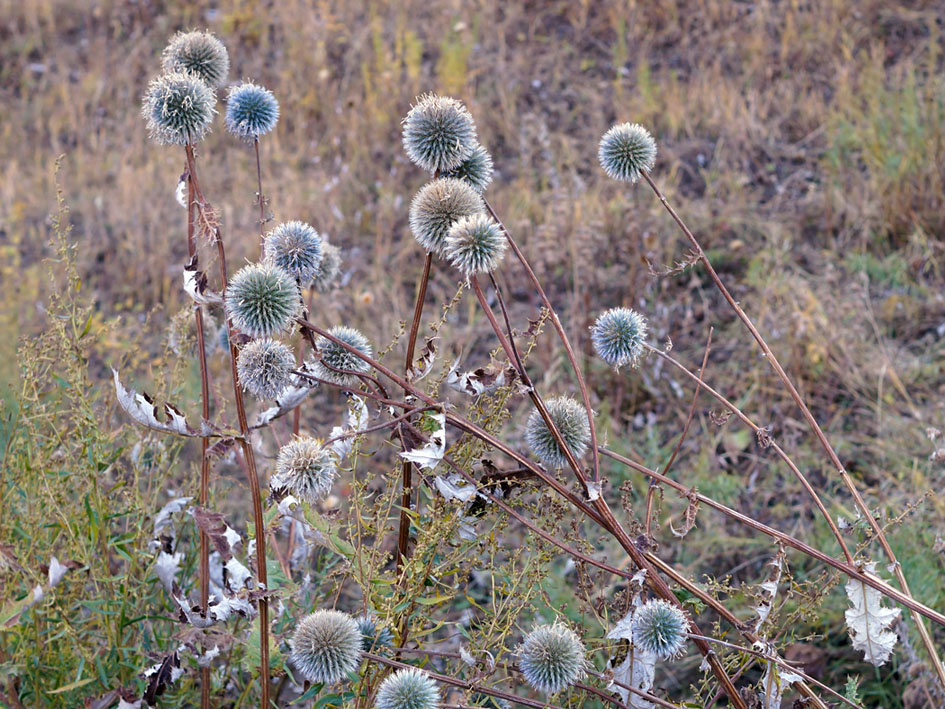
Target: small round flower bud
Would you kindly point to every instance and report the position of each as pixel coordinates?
(408, 689)
(618, 336)
(626, 151)
(305, 468)
(551, 658)
(437, 206)
(661, 628)
(475, 244)
(265, 368)
(329, 268)
(200, 54)
(438, 133)
(373, 637)
(476, 169)
(251, 111)
(262, 299)
(295, 247)
(326, 646)
(178, 109)
(571, 419)
(333, 356)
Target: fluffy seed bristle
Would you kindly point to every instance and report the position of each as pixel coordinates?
(551, 658)
(475, 244)
(476, 169)
(571, 419)
(326, 646)
(304, 468)
(262, 299)
(264, 368)
(627, 151)
(333, 356)
(439, 133)
(200, 54)
(178, 109)
(618, 336)
(408, 689)
(661, 628)
(437, 206)
(251, 111)
(296, 248)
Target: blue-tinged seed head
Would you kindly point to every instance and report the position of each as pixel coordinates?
(305, 469)
(333, 356)
(178, 109)
(264, 368)
(262, 300)
(439, 133)
(296, 248)
(437, 206)
(200, 54)
(329, 268)
(374, 637)
(251, 111)
(475, 244)
(326, 646)
(627, 151)
(476, 169)
(551, 658)
(661, 628)
(618, 336)
(571, 419)
(408, 689)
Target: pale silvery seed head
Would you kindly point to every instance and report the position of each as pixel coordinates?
(265, 368)
(178, 109)
(336, 356)
(305, 468)
(373, 636)
(295, 247)
(437, 206)
(200, 54)
(661, 628)
(439, 133)
(626, 151)
(551, 658)
(251, 111)
(329, 268)
(618, 336)
(262, 299)
(182, 333)
(326, 646)
(408, 689)
(476, 169)
(571, 419)
(475, 244)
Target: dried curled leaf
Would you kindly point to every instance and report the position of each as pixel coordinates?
(161, 676)
(636, 669)
(868, 621)
(195, 283)
(480, 381)
(689, 518)
(293, 396)
(432, 453)
(142, 409)
(356, 422)
(423, 364)
(769, 588)
(455, 487)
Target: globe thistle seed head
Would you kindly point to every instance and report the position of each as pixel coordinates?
(329, 268)
(182, 333)
(571, 419)
(476, 169)
(178, 109)
(335, 356)
(661, 628)
(618, 335)
(295, 247)
(408, 689)
(373, 636)
(200, 54)
(326, 646)
(439, 133)
(305, 468)
(265, 368)
(437, 206)
(551, 658)
(475, 244)
(251, 111)
(627, 151)
(262, 299)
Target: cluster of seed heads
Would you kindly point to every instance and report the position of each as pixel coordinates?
(326, 646)
(296, 248)
(251, 111)
(262, 299)
(618, 335)
(475, 244)
(476, 169)
(178, 108)
(333, 356)
(627, 151)
(264, 368)
(551, 658)
(439, 133)
(570, 418)
(305, 468)
(437, 206)
(408, 689)
(329, 268)
(200, 54)
(374, 636)
(660, 628)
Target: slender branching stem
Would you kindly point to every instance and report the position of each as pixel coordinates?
(260, 198)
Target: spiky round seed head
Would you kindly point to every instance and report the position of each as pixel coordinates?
(265, 368)
(200, 54)
(326, 646)
(437, 206)
(627, 151)
(551, 658)
(373, 636)
(295, 247)
(333, 356)
(571, 419)
(476, 169)
(262, 299)
(329, 268)
(661, 628)
(439, 133)
(408, 689)
(251, 111)
(178, 109)
(618, 335)
(475, 244)
(305, 468)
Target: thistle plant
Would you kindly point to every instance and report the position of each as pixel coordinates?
(439, 205)
(439, 133)
(329, 268)
(660, 628)
(475, 244)
(332, 357)
(551, 658)
(304, 468)
(571, 420)
(374, 636)
(251, 111)
(178, 108)
(408, 689)
(262, 299)
(627, 151)
(618, 336)
(265, 368)
(295, 247)
(199, 54)
(326, 646)
(475, 169)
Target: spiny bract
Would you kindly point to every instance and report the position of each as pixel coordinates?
(476, 169)
(329, 268)
(305, 468)
(374, 636)
(551, 658)
(618, 336)
(333, 356)
(262, 299)
(439, 133)
(627, 151)
(660, 628)
(437, 206)
(475, 244)
(571, 419)
(265, 367)
(200, 54)
(408, 689)
(178, 109)
(251, 111)
(295, 247)
(326, 646)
